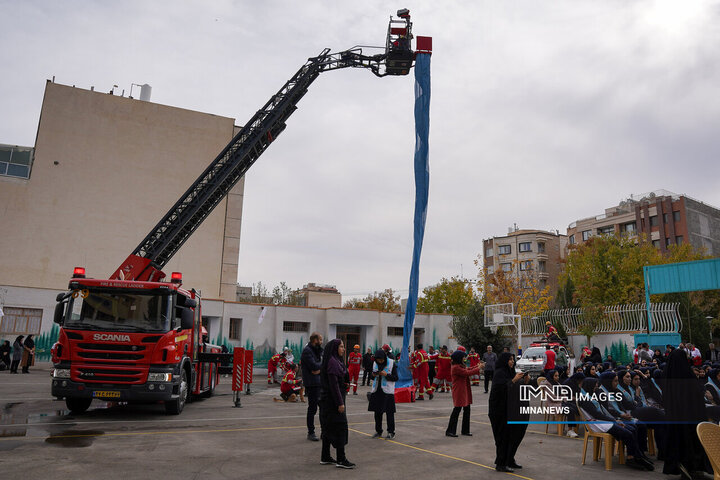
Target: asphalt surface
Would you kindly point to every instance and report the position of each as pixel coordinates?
(263, 439)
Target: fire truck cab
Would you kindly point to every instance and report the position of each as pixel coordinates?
(130, 341)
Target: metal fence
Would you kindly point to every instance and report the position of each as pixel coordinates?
(615, 319)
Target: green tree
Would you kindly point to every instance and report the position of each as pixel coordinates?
(385, 301)
(453, 296)
(260, 294)
(470, 331)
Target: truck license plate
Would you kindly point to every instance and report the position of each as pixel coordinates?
(105, 394)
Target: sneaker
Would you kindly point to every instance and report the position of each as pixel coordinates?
(430, 396)
(572, 434)
(312, 437)
(390, 436)
(345, 464)
(354, 393)
(328, 461)
(377, 435)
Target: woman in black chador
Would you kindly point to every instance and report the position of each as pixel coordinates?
(504, 381)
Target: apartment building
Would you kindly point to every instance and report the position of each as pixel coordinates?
(538, 251)
(663, 217)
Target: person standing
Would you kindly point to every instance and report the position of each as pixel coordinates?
(432, 360)
(333, 417)
(489, 358)
(17, 353)
(5, 353)
(683, 399)
(442, 375)
(367, 364)
(712, 355)
(382, 394)
(461, 394)
(549, 360)
(516, 431)
(420, 367)
(275, 360)
(474, 360)
(311, 361)
(28, 355)
(504, 380)
(561, 358)
(354, 363)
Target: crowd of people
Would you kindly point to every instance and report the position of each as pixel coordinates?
(20, 355)
(661, 393)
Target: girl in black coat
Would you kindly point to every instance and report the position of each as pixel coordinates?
(333, 419)
(504, 381)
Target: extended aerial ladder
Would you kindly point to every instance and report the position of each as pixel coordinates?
(212, 186)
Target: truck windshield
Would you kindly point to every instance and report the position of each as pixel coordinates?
(119, 311)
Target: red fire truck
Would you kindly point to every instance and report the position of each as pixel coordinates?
(138, 338)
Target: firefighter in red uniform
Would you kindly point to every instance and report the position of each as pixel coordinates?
(552, 333)
(442, 377)
(275, 360)
(474, 360)
(354, 363)
(420, 368)
(291, 388)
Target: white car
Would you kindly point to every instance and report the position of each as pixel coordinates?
(533, 360)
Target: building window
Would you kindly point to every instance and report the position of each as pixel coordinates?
(586, 235)
(526, 265)
(541, 247)
(542, 267)
(506, 267)
(542, 283)
(235, 329)
(656, 243)
(505, 249)
(489, 252)
(491, 269)
(395, 331)
(15, 161)
(653, 221)
(676, 216)
(666, 218)
(629, 227)
(572, 239)
(21, 321)
(667, 242)
(679, 239)
(525, 247)
(296, 327)
(609, 230)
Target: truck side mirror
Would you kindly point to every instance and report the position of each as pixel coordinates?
(187, 319)
(59, 310)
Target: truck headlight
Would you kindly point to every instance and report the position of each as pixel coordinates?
(159, 377)
(61, 373)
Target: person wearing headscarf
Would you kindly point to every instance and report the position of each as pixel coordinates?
(614, 405)
(574, 383)
(516, 431)
(461, 393)
(603, 421)
(712, 394)
(505, 379)
(590, 371)
(334, 381)
(683, 398)
(596, 356)
(382, 394)
(17, 353)
(28, 356)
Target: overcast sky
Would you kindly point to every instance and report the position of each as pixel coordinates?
(542, 112)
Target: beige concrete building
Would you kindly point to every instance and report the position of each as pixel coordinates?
(537, 252)
(323, 296)
(102, 173)
(661, 217)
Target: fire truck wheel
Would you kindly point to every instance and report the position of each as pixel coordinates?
(174, 407)
(78, 405)
(211, 390)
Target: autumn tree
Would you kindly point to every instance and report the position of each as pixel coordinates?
(520, 287)
(385, 301)
(453, 296)
(284, 295)
(608, 270)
